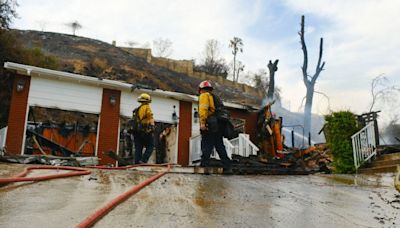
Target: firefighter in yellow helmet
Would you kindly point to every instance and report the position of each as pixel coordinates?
(143, 135)
(211, 128)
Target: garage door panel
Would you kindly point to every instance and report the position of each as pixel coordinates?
(162, 107)
(65, 95)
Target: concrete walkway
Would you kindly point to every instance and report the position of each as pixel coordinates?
(187, 200)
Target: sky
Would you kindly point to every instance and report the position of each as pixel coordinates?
(361, 38)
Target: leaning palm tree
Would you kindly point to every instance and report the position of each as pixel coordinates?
(237, 46)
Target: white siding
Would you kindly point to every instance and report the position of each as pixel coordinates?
(195, 126)
(162, 107)
(3, 136)
(64, 95)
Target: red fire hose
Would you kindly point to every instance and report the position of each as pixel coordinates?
(99, 213)
(21, 176)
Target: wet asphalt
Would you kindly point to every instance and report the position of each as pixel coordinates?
(188, 200)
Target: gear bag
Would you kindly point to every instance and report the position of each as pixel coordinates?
(137, 126)
(229, 131)
(221, 112)
(135, 121)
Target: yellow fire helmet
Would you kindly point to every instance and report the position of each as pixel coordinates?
(144, 97)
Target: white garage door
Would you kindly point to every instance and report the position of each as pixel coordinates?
(65, 95)
(162, 107)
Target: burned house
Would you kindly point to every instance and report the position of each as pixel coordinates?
(93, 116)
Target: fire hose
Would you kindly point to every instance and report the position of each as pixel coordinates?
(101, 212)
(21, 176)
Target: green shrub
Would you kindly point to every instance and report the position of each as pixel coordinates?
(339, 128)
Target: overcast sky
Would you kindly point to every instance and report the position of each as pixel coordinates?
(361, 37)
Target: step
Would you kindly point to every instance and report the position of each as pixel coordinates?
(381, 169)
(393, 156)
(179, 169)
(379, 163)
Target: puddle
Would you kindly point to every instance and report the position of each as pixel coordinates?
(362, 180)
(343, 180)
(178, 200)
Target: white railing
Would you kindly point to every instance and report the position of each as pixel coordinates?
(230, 149)
(240, 146)
(246, 147)
(364, 145)
(3, 135)
(194, 149)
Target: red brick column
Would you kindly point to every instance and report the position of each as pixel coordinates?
(109, 124)
(18, 115)
(185, 131)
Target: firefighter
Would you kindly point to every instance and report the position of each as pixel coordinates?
(268, 134)
(211, 129)
(144, 135)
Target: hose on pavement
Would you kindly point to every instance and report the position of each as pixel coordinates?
(99, 213)
(22, 176)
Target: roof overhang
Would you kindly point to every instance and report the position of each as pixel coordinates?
(33, 71)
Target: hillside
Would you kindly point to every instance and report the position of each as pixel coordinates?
(99, 59)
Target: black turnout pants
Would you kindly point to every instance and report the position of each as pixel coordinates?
(208, 142)
(143, 140)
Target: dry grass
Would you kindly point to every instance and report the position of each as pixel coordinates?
(88, 48)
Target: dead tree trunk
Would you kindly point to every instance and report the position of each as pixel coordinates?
(309, 81)
(273, 67)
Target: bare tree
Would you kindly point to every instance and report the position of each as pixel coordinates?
(7, 12)
(212, 50)
(75, 25)
(237, 46)
(309, 81)
(272, 67)
(162, 47)
(212, 62)
(382, 90)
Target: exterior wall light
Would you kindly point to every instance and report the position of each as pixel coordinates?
(113, 100)
(175, 117)
(196, 115)
(20, 85)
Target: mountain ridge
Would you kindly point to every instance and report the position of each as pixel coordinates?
(96, 58)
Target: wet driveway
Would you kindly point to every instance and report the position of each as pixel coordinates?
(186, 200)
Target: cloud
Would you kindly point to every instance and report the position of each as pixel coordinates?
(361, 43)
(361, 37)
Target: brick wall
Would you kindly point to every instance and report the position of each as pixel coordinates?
(185, 131)
(109, 124)
(17, 116)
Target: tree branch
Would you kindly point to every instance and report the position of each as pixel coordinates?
(319, 67)
(326, 96)
(304, 48)
(301, 104)
(321, 42)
